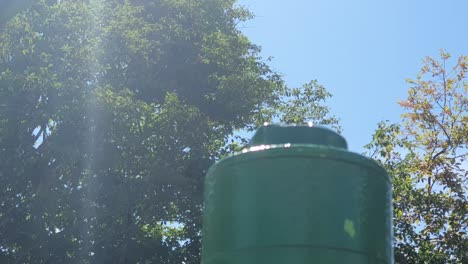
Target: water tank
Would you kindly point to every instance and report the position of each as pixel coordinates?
(296, 195)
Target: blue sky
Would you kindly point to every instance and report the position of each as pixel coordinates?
(361, 51)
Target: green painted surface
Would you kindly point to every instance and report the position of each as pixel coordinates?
(297, 203)
(276, 134)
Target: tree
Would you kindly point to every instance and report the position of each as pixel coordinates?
(110, 114)
(426, 156)
(8, 9)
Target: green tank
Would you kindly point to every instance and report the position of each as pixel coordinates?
(296, 195)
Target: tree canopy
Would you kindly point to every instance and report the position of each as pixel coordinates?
(110, 114)
(9, 9)
(427, 156)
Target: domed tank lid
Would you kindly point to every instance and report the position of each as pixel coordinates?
(280, 134)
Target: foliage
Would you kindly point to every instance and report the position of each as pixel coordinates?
(304, 105)
(110, 114)
(426, 155)
(8, 8)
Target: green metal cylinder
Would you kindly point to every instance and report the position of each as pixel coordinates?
(297, 196)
